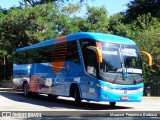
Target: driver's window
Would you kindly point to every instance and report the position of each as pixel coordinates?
(89, 57)
(91, 62)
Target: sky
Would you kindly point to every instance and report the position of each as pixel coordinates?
(112, 6)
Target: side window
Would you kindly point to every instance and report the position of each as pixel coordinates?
(66, 51)
(72, 52)
(89, 57)
(59, 52)
(37, 55)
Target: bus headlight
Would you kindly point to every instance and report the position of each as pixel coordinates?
(104, 87)
(140, 90)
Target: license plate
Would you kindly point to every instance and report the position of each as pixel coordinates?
(124, 98)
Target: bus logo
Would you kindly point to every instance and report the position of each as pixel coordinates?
(125, 92)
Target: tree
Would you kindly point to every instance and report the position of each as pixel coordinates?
(117, 26)
(38, 2)
(20, 27)
(145, 31)
(96, 19)
(140, 7)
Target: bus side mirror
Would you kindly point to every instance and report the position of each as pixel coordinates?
(148, 56)
(97, 51)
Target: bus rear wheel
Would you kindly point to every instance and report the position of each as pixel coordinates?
(112, 104)
(26, 90)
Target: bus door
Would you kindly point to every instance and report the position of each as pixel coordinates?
(91, 69)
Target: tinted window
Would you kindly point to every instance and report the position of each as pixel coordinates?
(89, 57)
(58, 52)
(72, 52)
(111, 57)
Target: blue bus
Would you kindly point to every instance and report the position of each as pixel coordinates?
(86, 66)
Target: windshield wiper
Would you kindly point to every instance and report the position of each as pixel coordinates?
(122, 64)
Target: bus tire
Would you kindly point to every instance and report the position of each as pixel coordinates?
(26, 90)
(77, 96)
(52, 97)
(112, 104)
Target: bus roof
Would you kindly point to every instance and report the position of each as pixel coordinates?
(83, 35)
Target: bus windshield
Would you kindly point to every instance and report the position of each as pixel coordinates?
(120, 64)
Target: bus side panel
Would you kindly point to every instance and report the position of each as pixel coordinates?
(21, 74)
(56, 79)
(56, 83)
(70, 73)
(87, 84)
(42, 78)
(89, 88)
(18, 81)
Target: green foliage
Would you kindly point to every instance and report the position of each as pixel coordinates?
(37, 22)
(96, 19)
(117, 26)
(145, 31)
(141, 22)
(39, 2)
(21, 27)
(140, 7)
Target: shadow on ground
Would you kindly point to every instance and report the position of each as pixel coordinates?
(43, 100)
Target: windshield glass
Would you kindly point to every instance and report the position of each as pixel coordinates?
(131, 57)
(111, 58)
(121, 64)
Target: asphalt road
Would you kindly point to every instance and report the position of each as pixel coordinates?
(42, 107)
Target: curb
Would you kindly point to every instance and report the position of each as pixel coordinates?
(150, 97)
(6, 89)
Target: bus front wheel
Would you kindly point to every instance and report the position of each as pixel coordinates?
(112, 104)
(52, 97)
(77, 96)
